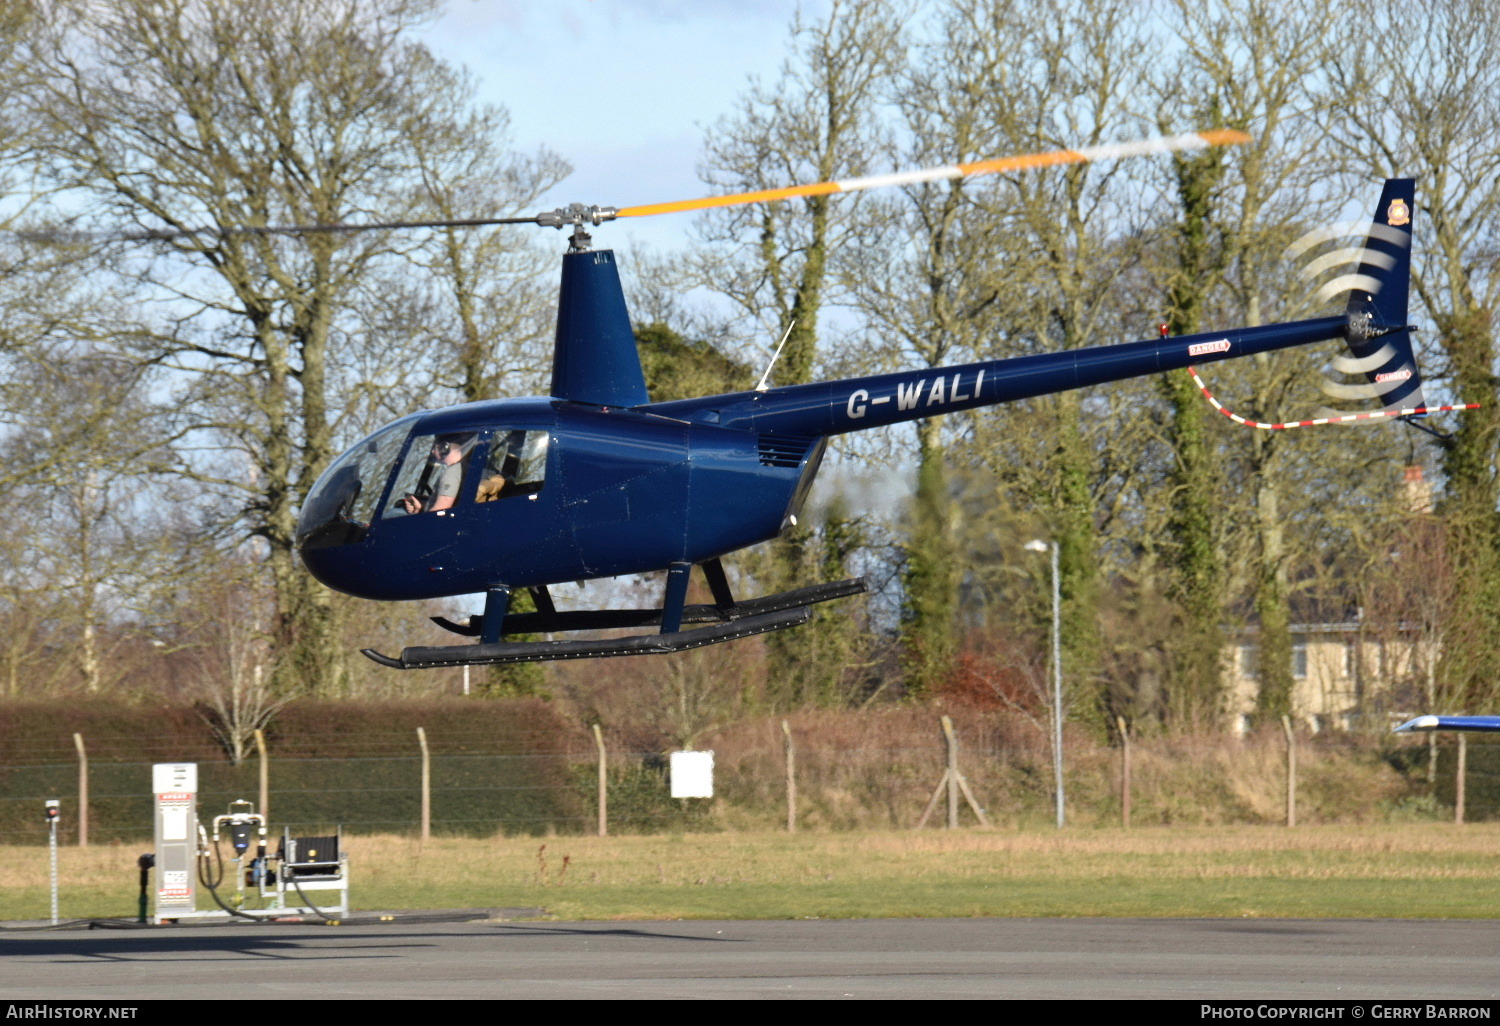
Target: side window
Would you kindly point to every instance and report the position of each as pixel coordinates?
(516, 465)
(432, 475)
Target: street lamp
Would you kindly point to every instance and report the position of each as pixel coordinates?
(1057, 706)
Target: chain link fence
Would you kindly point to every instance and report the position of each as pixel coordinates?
(838, 786)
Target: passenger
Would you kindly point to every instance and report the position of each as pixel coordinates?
(501, 466)
(490, 488)
(441, 488)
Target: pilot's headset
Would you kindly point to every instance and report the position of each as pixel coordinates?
(444, 445)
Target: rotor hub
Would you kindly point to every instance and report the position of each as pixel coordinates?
(578, 215)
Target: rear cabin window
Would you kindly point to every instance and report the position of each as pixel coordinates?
(516, 464)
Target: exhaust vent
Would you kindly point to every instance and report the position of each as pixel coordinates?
(785, 450)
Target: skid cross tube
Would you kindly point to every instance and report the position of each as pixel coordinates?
(617, 619)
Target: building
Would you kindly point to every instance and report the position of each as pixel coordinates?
(1345, 672)
(1341, 674)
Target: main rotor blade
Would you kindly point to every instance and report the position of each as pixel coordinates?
(65, 236)
(578, 214)
(153, 235)
(1049, 158)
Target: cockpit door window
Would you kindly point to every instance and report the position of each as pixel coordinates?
(432, 476)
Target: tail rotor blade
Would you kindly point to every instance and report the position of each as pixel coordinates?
(1353, 365)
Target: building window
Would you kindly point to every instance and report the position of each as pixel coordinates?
(1351, 658)
(1248, 660)
(1299, 660)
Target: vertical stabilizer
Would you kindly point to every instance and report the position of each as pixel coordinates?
(1378, 334)
(595, 360)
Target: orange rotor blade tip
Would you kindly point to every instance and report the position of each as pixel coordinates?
(1226, 136)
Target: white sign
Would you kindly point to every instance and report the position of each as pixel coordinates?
(174, 823)
(692, 774)
(169, 777)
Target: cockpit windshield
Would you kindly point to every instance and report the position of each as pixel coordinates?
(341, 504)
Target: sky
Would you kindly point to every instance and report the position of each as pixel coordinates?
(623, 89)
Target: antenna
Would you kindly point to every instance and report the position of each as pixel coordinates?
(761, 385)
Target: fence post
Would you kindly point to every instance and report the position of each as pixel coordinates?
(264, 808)
(955, 783)
(1291, 771)
(952, 773)
(83, 791)
(1458, 778)
(1124, 772)
(603, 783)
(791, 780)
(426, 786)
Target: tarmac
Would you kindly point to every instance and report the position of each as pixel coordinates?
(1249, 959)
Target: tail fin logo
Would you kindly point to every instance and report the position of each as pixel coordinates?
(1398, 213)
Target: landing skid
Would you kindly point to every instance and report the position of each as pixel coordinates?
(728, 621)
(547, 651)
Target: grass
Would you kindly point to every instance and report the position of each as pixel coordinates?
(1403, 870)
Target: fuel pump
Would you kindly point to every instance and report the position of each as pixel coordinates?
(240, 821)
(301, 864)
(267, 885)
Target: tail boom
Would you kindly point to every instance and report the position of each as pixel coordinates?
(855, 404)
(1373, 326)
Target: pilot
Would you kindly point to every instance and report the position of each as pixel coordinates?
(443, 481)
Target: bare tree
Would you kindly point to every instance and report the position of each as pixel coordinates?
(101, 534)
(185, 114)
(232, 657)
(495, 286)
(1253, 65)
(930, 291)
(782, 263)
(1428, 109)
(817, 122)
(1066, 82)
(1410, 593)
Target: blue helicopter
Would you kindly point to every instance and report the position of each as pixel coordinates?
(595, 480)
